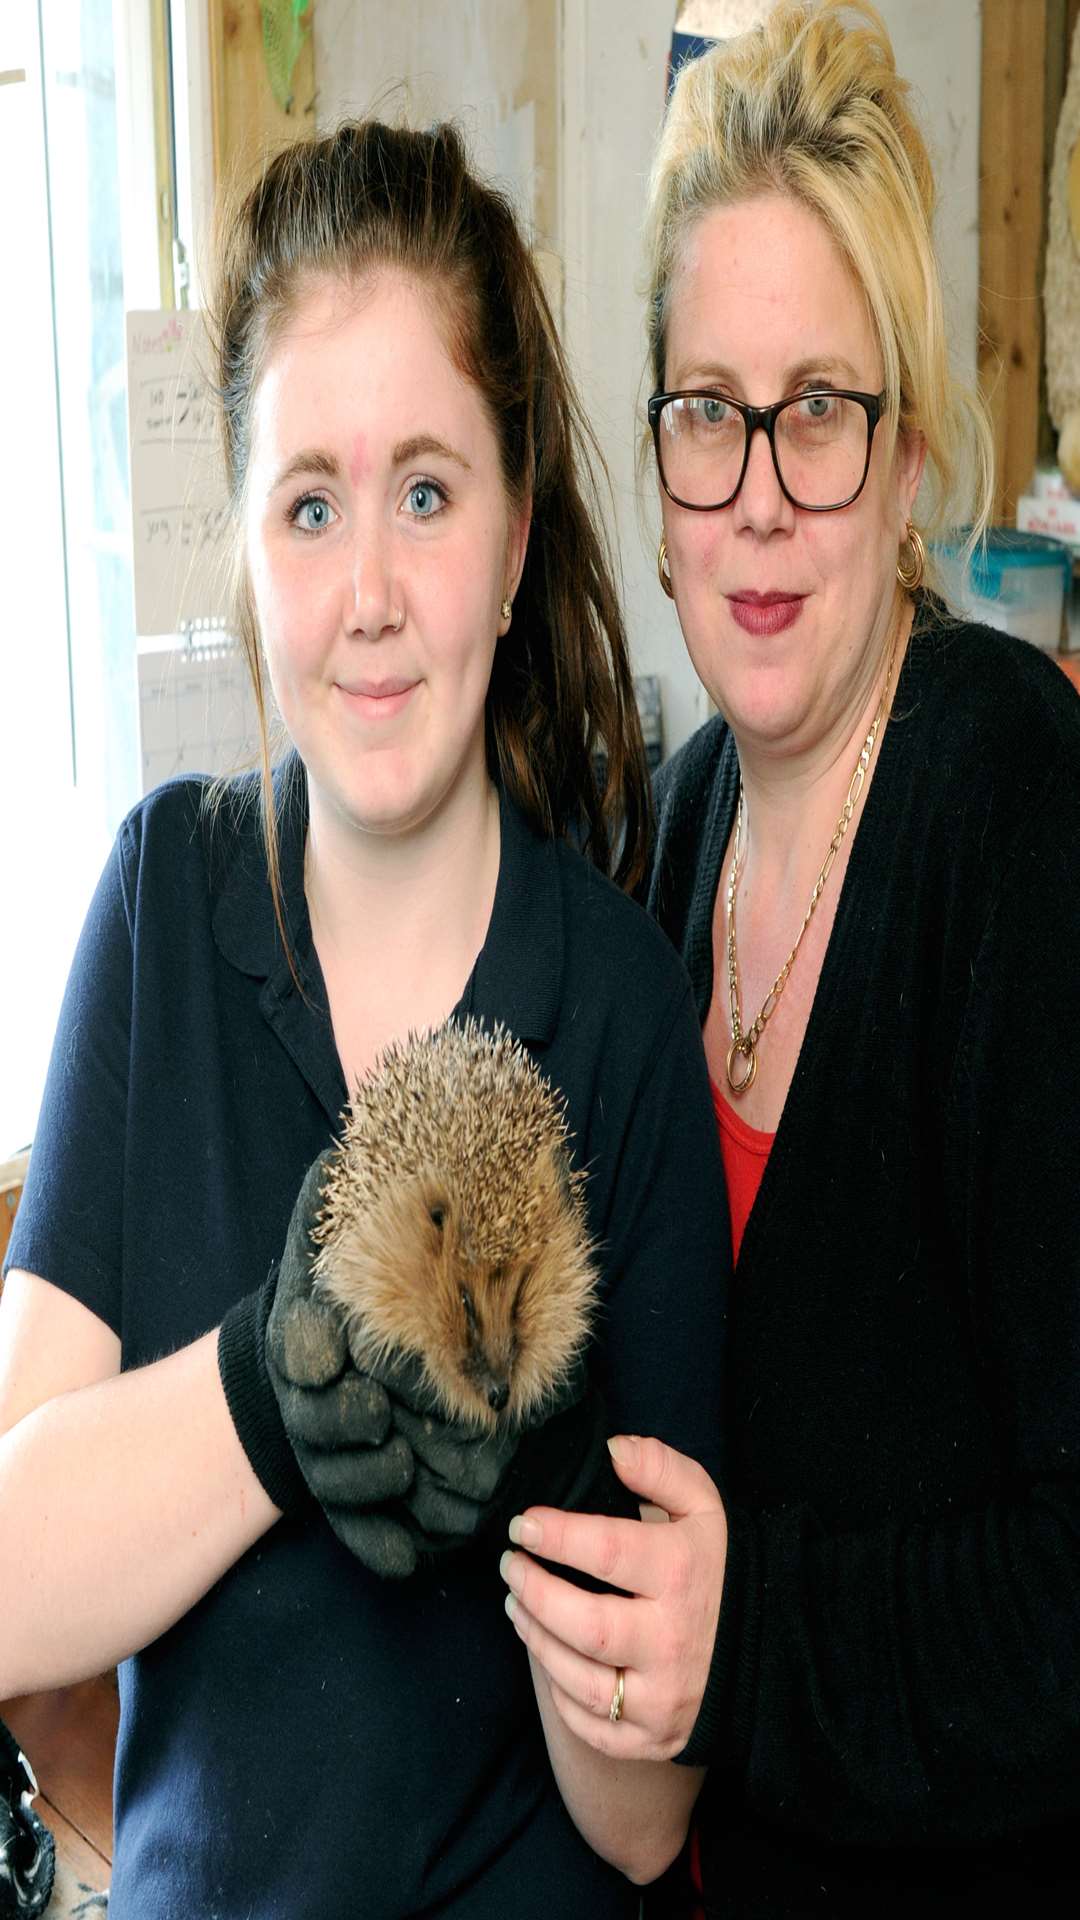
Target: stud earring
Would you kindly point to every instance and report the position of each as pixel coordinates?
(912, 562)
(506, 609)
(663, 569)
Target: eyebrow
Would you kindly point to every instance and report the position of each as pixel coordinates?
(823, 368)
(313, 460)
(310, 460)
(407, 450)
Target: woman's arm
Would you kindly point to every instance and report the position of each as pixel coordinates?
(633, 1804)
(659, 1364)
(659, 1627)
(123, 1498)
(634, 1814)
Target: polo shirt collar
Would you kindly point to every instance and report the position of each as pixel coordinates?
(245, 926)
(517, 978)
(518, 973)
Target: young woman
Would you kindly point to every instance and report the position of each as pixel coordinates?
(425, 590)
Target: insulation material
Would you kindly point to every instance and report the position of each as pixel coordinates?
(1062, 290)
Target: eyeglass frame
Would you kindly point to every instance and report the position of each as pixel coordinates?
(873, 405)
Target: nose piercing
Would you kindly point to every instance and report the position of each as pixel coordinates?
(399, 622)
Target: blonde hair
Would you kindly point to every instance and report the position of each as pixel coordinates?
(812, 107)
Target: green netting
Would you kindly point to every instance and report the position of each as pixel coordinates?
(286, 25)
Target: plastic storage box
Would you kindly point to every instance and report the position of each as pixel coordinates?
(1020, 582)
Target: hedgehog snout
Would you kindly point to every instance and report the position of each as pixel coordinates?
(498, 1394)
(488, 1363)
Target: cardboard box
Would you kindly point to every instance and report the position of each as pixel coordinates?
(1059, 518)
(1049, 483)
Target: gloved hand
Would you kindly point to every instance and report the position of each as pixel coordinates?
(393, 1479)
(563, 1461)
(457, 1470)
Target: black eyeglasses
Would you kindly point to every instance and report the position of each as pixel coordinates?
(820, 442)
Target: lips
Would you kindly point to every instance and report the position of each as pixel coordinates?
(377, 689)
(765, 613)
(376, 699)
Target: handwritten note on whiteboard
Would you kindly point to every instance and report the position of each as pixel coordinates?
(196, 712)
(180, 513)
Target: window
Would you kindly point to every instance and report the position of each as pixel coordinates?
(69, 760)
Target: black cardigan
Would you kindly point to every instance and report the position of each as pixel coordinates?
(894, 1705)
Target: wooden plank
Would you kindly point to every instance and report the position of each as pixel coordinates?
(81, 1871)
(12, 1176)
(1012, 217)
(165, 196)
(1061, 18)
(69, 1737)
(248, 123)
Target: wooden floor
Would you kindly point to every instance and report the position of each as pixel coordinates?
(69, 1738)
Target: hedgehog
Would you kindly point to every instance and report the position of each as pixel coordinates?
(453, 1230)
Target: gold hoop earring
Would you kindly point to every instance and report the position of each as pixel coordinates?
(910, 572)
(506, 609)
(664, 570)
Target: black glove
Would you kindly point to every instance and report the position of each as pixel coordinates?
(457, 1470)
(472, 1488)
(393, 1479)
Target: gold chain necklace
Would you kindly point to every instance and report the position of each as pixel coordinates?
(744, 1045)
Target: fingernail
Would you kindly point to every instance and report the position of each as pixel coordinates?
(510, 1604)
(623, 1449)
(525, 1532)
(510, 1568)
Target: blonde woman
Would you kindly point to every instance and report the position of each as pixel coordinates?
(870, 864)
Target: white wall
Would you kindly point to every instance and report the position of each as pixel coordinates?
(614, 64)
(565, 98)
(491, 65)
(939, 50)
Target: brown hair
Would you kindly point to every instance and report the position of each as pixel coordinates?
(810, 105)
(371, 196)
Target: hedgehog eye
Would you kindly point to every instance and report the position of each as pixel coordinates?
(467, 1303)
(437, 1216)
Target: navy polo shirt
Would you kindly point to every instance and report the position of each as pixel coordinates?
(307, 1740)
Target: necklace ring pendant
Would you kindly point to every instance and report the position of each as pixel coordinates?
(749, 1054)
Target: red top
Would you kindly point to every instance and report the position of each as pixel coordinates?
(744, 1151)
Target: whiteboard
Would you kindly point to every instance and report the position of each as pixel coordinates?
(197, 712)
(181, 522)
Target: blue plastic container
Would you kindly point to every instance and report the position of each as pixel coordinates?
(1019, 582)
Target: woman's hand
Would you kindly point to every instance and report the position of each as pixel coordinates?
(661, 1636)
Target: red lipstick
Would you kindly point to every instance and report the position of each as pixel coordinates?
(765, 613)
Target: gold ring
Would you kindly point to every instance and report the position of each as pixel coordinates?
(615, 1709)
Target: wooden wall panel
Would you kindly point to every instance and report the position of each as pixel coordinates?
(12, 1176)
(1012, 218)
(248, 122)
